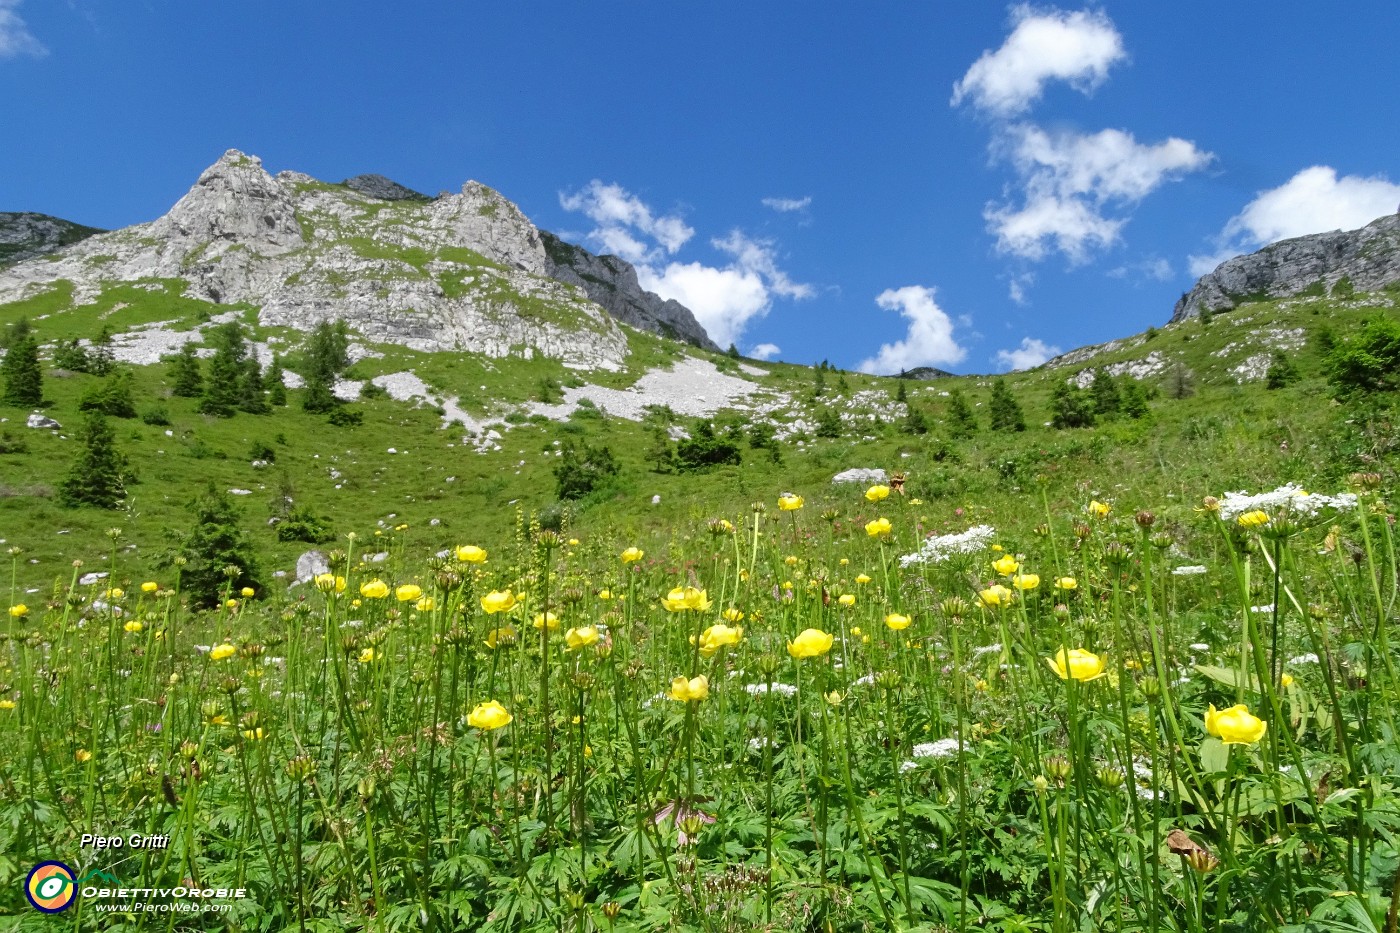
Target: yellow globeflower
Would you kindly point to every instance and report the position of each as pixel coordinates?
(812, 643)
(863, 579)
(1285, 680)
(789, 502)
(632, 554)
(498, 601)
(1236, 725)
(694, 689)
(374, 589)
(877, 493)
(1098, 509)
(718, 636)
(1077, 664)
(547, 618)
(134, 626)
(1066, 583)
(880, 526)
(329, 582)
(896, 622)
(582, 637)
(847, 599)
(1253, 519)
(1006, 565)
(1025, 581)
(367, 656)
(683, 598)
(248, 592)
(7, 704)
(408, 592)
(470, 554)
(82, 755)
(19, 611)
(219, 652)
(426, 604)
(500, 636)
(573, 542)
(994, 596)
(489, 715)
(150, 586)
(732, 615)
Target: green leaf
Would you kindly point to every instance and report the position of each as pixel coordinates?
(1215, 755)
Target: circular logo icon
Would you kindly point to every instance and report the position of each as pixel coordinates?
(50, 887)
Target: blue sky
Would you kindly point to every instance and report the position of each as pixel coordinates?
(880, 185)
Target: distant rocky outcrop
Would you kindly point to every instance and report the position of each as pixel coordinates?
(460, 272)
(612, 283)
(386, 189)
(1351, 260)
(26, 235)
(923, 372)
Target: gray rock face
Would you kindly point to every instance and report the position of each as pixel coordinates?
(612, 283)
(234, 200)
(465, 272)
(26, 235)
(312, 564)
(860, 475)
(1368, 258)
(385, 189)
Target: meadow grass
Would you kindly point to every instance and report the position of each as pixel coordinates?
(765, 720)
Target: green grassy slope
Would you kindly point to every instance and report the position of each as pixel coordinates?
(1226, 436)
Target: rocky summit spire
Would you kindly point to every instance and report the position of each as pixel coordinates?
(235, 199)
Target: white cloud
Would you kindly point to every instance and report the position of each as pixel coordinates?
(765, 351)
(1201, 265)
(620, 216)
(15, 37)
(787, 205)
(1018, 286)
(1029, 354)
(1070, 181)
(1313, 201)
(1044, 46)
(724, 298)
(929, 340)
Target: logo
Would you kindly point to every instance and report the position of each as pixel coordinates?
(51, 887)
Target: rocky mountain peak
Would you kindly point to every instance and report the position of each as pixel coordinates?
(235, 199)
(25, 235)
(1357, 260)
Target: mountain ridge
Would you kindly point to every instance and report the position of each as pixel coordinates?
(1364, 260)
(463, 271)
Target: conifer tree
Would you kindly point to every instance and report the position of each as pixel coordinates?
(186, 377)
(1006, 414)
(250, 388)
(218, 557)
(98, 476)
(962, 423)
(276, 387)
(1134, 399)
(1104, 392)
(22, 378)
(901, 394)
(1282, 372)
(223, 390)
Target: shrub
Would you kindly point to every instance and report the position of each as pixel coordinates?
(1071, 407)
(156, 415)
(1368, 362)
(302, 524)
(705, 449)
(829, 423)
(21, 379)
(111, 397)
(1006, 414)
(1282, 372)
(581, 471)
(343, 416)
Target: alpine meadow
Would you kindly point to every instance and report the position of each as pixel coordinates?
(386, 562)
